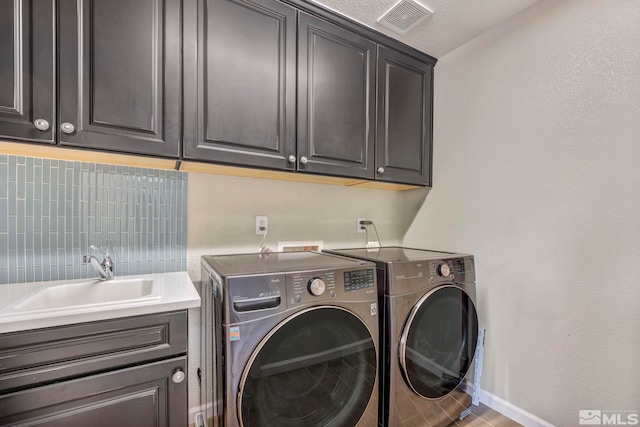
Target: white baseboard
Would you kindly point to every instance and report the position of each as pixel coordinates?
(508, 409)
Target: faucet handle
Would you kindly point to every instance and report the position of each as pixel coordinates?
(104, 253)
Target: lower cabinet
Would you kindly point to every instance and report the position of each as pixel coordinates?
(121, 372)
(145, 395)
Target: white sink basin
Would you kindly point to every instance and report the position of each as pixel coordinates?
(91, 293)
(36, 305)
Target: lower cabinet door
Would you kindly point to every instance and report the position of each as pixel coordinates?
(145, 395)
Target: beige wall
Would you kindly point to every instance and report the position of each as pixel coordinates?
(537, 173)
(222, 211)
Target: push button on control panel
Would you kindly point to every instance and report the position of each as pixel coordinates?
(359, 279)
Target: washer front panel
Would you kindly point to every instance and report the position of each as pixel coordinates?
(317, 367)
(438, 341)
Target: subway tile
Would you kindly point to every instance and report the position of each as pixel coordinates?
(13, 198)
(4, 180)
(13, 164)
(4, 275)
(60, 242)
(13, 268)
(28, 269)
(68, 217)
(29, 199)
(37, 183)
(29, 233)
(4, 250)
(46, 200)
(29, 169)
(68, 187)
(53, 182)
(20, 250)
(61, 201)
(50, 211)
(21, 180)
(12, 222)
(4, 216)
(20, 215)
(77, 167)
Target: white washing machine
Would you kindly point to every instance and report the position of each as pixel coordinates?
(291, 339)
(429, 330)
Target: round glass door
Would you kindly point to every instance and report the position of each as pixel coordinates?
(438, 341)
(317, 368)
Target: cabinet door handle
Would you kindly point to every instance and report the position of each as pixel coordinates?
(41, 124)
(380, 169)
(292, 158)
(67, 128)
(304, 160)
(178, 376)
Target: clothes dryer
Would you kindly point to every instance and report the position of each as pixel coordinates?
(297, 340)
(429, 330)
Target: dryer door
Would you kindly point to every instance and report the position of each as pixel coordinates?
(316, 368)
(438, 341)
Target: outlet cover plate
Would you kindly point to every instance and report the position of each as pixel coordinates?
(262, 221)
(360, 228)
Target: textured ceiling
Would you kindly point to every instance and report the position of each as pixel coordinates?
(453, 23)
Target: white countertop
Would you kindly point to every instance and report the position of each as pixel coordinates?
(172, 291)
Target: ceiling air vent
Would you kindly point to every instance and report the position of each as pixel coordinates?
(404, 16)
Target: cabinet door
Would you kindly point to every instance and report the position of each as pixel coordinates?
(404, 118)
(137, 397)
(241, 91)
(120, 75)
(41, 356)
(27, 67)
(336, 100)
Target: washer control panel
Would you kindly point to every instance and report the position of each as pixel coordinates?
(329, 285)
(452, 269)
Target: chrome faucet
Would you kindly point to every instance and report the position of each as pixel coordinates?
(104, 268)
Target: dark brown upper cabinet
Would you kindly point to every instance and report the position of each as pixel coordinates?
(282, 85)
(240, 90)
(319, 95)
(27, 77)
(404, 118)
(120, 75)
(336, 100)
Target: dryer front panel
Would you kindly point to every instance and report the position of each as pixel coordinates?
(317, 367)
(438, 341)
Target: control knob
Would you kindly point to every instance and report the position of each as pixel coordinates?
(316, 286)
(444, 270)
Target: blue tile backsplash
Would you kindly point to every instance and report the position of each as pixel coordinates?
(52, 210)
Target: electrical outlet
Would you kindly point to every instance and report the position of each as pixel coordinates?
(262, 224)
(360, 228)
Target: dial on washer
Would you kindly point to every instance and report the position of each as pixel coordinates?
(444, 270)
(316, 286)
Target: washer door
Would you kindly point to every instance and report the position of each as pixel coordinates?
(438, 341)
(317, 368)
